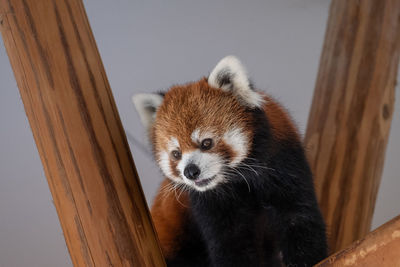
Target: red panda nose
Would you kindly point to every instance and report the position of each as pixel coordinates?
(191, 171)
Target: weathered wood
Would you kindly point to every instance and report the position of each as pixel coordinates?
(379, 248)
(78, 133)
(351, 113)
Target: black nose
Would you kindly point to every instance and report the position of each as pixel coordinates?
(191, 171)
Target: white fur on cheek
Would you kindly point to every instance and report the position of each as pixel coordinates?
(195, 136)
(164, 163)
(239, 142)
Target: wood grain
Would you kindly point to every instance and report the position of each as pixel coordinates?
(78, 133)
(379, 248)
(351, 113)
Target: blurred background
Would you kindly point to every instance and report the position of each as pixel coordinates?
(148, 46)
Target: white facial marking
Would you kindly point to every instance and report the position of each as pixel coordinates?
(239, 142)
(164, 162)
(173, 144)
(210, 165)
(197, 136)
(164, 159)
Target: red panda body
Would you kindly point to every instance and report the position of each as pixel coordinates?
(239, 190)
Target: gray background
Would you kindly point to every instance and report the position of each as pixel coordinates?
(148, 46)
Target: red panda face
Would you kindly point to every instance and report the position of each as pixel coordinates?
(201, 131)
(198, 132)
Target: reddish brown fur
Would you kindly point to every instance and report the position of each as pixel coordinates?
(225, 151)
(192, 106)
(281, 124)
(197, 105)
(173, 163)
(168, 216)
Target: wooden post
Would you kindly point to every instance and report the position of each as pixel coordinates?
(78, 133)
(351, 113)
(379, 248)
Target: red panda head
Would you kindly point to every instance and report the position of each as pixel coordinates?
(201, 128)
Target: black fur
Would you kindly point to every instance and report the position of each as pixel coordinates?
(277, 221)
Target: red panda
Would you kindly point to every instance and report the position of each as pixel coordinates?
(238, 188)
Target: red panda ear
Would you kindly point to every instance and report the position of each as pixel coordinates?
(147, 105)
(231, 76)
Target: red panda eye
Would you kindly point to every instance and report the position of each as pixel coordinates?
(176, 154)
(206, 144)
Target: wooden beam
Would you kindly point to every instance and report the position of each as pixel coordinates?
(379, 248)
(78, 133)
(351, 113)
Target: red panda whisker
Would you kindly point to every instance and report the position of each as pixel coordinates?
(181, 189)
(166, 190)
(258, 166)
(244, 178)
(248, 167)
(263, 167)
(169, 191)
(177, 186)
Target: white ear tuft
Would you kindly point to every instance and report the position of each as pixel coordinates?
(147, 105)
(231, 76)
